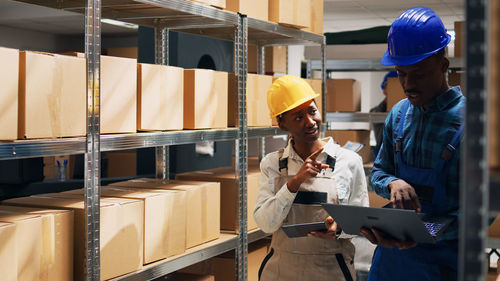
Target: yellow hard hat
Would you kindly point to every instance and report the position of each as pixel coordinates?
(288, 92)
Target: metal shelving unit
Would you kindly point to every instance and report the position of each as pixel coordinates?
(474, 181)
(182, 16)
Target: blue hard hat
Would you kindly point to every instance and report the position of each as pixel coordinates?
(387, 75)
(416, 34)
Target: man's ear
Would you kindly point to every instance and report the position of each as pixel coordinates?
(445, 64)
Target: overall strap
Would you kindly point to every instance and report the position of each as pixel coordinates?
(330, 161)
(402, 115)
(283, 163)
(452, 146)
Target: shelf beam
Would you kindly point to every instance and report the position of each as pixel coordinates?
(194, 255)
(368, 65)
(68, 146)
(373, 117)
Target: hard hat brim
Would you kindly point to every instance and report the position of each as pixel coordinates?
(296, 104)
(389, 60)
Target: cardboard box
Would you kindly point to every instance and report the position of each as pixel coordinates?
(459, 38)
(8, 253)
(57, 241)
(494, 229)
(223, 266)
(395, 92)
(52, 95)
(203, 212)
(161, 220)
(294, 13)
(257, 109)
(9, 79)
(316, 26)
(275, 59)
(257, 9)
(179, 276)
(456, 79)
(205, 99)
(160, 94)
(343, 95)
(118, 95)
(215, 3)
(316, 86)
(121, 163)
(28, 240)
(120, 231)
(124, 52)
(377, 201)
(229, 194)
(492, 276)
(360, 136)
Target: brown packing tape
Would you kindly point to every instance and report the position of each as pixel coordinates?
(54, 99)
(163, 98)
(21, 108)
(204, 214)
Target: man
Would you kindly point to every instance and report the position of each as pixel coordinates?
(417, 166)
(381, 107)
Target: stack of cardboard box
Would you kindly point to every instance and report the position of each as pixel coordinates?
(203, 213)
(55, 236)
(121, 232)
(164, 219)
(229, 194)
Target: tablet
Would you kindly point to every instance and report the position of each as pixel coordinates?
(302, 229)
(401, 224)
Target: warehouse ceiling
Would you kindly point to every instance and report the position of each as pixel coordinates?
(340, 15)
(345, 15)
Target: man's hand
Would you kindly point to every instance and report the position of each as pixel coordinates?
(330, 233)
(403, 195)
(309, 169)
(380, 238)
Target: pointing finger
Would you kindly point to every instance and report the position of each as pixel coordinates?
(315, 154)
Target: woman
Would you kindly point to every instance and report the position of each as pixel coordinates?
(295, 180)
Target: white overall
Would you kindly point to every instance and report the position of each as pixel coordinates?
(308, 258)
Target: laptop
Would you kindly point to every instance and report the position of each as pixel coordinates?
(399, 223)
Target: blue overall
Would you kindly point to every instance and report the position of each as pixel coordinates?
(425, 261)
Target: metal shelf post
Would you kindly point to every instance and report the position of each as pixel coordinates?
(323, 86)
(474, 181)
(162, 153)
(261, 69)
(241, 152)
(92, 151)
